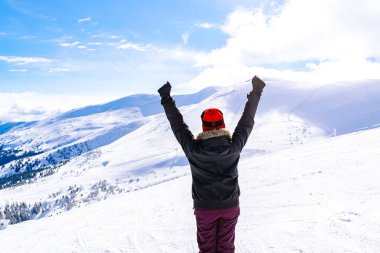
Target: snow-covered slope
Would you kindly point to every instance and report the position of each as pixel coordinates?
(319, 197)
(125, 145)
(127, 142)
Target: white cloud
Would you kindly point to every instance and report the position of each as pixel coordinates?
(84, 20)
(133, 46)
(316, 74)
(2, 34)
(73, 44)
(24, 60)
(177, 54)
(57, 40)
(306, 29)
(17, 70)
(95, 43)
(185, 38)
(329, 40)
(108, 36)
(98, 36)
(206, 25)
(341, 70)
(30, 106)
(55, 70)
(27, 37)
(82, 47)
(112, 44)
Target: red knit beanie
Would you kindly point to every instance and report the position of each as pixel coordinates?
(212, 119)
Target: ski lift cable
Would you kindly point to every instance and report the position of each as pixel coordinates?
(331, 131)
(307, 98)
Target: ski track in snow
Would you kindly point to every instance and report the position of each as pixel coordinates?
(136, 224)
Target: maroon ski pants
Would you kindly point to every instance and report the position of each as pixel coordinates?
(216, 229)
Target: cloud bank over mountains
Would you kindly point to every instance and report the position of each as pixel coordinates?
(304, 40)
(30, 106)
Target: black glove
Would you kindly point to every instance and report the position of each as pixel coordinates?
(257, 84)
(165, 90)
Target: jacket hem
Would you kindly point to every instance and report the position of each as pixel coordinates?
(216, 204)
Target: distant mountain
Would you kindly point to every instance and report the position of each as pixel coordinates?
(27, 149)
(146, 104)
(345, 107)
(6, 127)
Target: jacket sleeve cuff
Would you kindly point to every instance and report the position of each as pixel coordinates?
(166, 100)
(254, 94)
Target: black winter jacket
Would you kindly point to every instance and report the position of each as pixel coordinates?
(213, 161)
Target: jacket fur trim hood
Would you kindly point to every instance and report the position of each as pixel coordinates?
(213, 133)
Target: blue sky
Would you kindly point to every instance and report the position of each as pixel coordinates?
(94, 51)
(70, 40)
